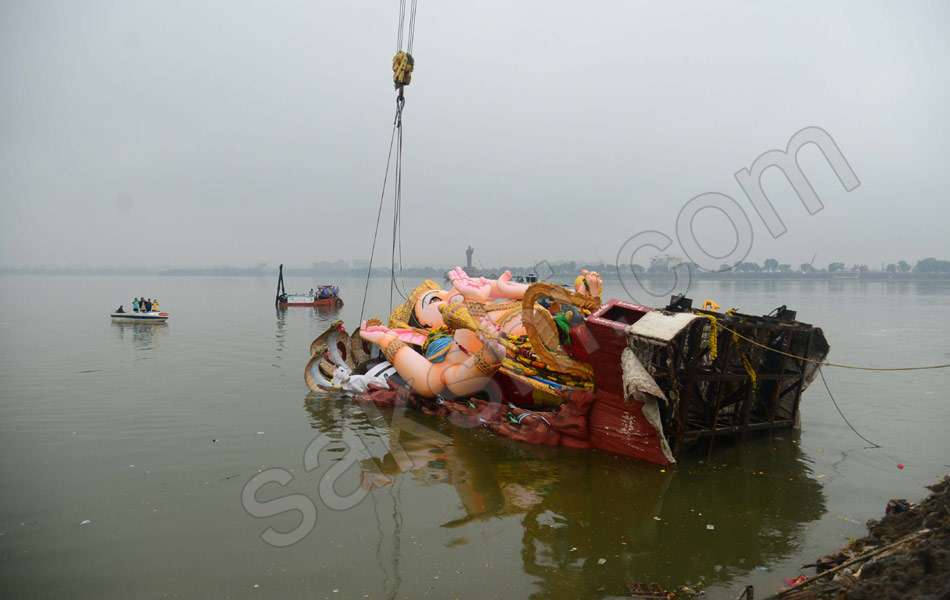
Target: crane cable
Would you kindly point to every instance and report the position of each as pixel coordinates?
(397, 214)
(412, 25)
(379, 212)
(403, 64)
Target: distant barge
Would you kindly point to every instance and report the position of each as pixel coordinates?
(325, 296)
(315, 300)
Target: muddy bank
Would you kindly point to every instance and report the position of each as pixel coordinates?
(904, 555)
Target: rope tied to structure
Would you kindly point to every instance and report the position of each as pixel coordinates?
(714, 346)
(746, 363)
(736, 334)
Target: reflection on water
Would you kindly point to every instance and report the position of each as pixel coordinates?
(281, 327)
(591, 522)
(287, 318)
(145, 336)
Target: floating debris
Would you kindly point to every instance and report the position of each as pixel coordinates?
(848, 519)
(645, 590)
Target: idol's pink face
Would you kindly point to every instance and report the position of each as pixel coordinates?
(427, 307)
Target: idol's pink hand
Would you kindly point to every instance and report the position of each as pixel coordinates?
(506, 289)
(478, 291)
(457, 273)
(377, 334)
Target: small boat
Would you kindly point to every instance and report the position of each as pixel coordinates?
(323, 296)
(319, 300)
(529, 279)
(139, 317)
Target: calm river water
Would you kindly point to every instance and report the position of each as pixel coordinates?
(124, 450)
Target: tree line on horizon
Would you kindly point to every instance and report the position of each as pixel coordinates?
(659, 265)
(665, 264)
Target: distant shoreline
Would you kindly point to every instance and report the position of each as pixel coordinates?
(437, 275)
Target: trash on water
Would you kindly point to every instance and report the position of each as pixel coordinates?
(895, 506)
(848, 519)
(85, 522)
(710, 527)
(601, 561)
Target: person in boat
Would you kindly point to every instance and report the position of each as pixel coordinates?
(120, 309)
(135, 305)
(155, 305)
(148, 305)
(311, 292)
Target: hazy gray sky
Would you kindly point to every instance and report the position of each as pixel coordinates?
(188, 133)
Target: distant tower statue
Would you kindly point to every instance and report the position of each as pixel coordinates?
(468, 257)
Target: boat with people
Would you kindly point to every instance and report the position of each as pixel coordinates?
(139, 317)
(144, 310)
(529, 278)
(321, 296)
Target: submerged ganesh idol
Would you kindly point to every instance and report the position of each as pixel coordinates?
(548, 365)
(461, 355)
